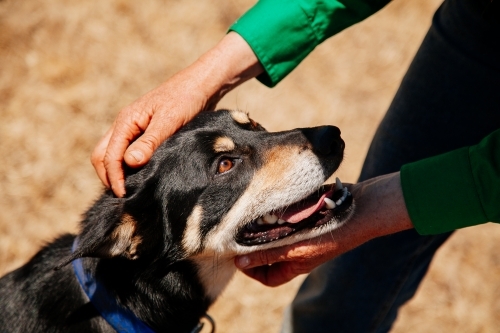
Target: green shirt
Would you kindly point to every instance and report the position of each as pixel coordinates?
(283, 32)
(454, 190)
(442, 193)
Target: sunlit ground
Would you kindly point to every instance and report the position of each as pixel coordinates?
(67, 67)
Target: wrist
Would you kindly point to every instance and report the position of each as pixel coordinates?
(380, 206)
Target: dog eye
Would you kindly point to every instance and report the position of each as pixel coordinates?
(225, 165)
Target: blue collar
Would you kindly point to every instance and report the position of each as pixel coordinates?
(120, 318)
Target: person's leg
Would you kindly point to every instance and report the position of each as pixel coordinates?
(449, 98)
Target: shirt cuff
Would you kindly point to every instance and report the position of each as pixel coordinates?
(279, 56)
(440, 193)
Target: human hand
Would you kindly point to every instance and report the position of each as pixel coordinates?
(380, 210)
(151, 119)
(161, 112)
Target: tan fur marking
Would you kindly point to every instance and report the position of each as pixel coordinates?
(240, 117)
(223, 144)
(277, 163)
(191, 240)
(125, 240)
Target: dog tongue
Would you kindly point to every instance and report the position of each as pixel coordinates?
(304, 208)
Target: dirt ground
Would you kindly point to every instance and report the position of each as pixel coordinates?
(67, 67)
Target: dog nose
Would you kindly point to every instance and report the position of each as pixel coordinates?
(325, 140)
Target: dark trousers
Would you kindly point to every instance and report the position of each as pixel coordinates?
(449, 98)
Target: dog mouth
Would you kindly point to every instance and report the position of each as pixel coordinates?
(329, 203)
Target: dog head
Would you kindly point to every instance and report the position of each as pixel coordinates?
(222, 186)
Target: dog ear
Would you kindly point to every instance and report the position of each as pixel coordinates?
(109, 231)
(122, 239)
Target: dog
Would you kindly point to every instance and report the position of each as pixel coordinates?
(155, 260)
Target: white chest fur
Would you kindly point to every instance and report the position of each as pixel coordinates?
(215, 272)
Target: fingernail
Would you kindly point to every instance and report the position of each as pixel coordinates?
(242, 261)
(137, 155)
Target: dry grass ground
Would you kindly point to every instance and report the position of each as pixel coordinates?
(67, 67)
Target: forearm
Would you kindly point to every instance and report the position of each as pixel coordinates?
(227, 65)
(380, 210)
(380, 207)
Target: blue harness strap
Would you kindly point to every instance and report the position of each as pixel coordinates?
(120, 318)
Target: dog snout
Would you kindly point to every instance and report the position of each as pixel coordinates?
(325, 140)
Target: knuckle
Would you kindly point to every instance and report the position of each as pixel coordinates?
(95, 158)
(264, 257)
(130, 122)
(97, 155)
(150, 141)
(135, 116)
(109, 162)
(138, 114)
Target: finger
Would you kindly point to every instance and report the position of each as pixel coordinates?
(141, 150)
(113, 159)
(161, 126)
(260, 258)
(254, 259)
(272, 275)
(97, 157)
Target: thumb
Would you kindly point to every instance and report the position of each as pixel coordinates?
(141, 150)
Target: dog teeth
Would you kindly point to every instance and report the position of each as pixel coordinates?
(338, 184)
(345, 193)
(329, 203)
(270, 219)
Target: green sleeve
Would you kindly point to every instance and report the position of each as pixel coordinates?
(454, 190)
(283, 32)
